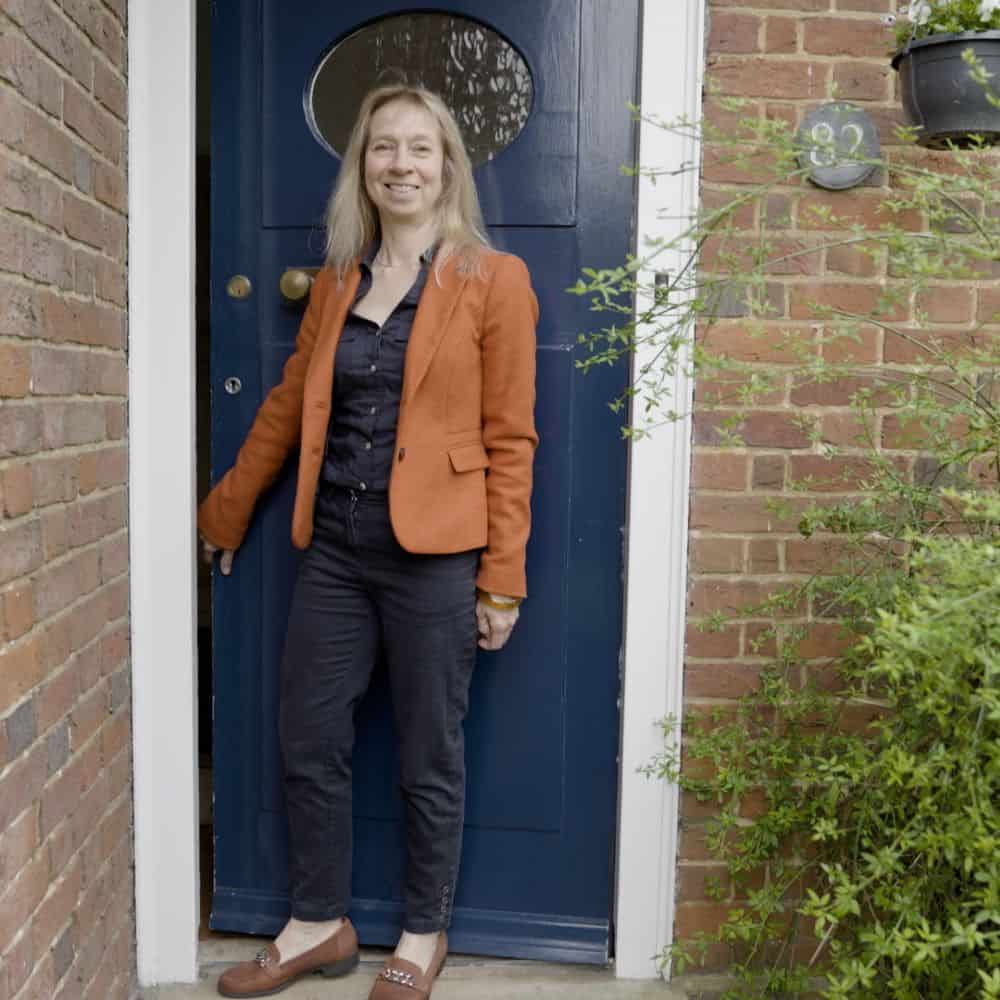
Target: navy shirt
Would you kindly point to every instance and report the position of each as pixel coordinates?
(367, 386)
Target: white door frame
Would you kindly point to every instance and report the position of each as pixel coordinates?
(162, 484)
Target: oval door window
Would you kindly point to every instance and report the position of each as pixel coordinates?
(481, 76)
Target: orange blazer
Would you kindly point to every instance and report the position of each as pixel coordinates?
(465, 442)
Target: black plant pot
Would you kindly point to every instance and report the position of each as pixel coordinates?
(939, 94)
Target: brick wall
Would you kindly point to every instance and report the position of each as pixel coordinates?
(66, 910)
(785, 57)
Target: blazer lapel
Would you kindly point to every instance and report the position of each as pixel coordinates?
(319, 377)
(437, 304)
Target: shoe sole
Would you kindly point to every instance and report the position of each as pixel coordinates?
(329, 971)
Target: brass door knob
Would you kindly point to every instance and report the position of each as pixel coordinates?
(295, 283)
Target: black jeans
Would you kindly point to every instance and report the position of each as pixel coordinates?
(359, 593)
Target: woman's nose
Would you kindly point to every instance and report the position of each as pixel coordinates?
(400, 160)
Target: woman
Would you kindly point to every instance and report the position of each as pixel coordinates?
(413, 373)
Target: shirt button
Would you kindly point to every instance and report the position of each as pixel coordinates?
(362, 486)
(368, 446)
(373, 368)
(373, 409)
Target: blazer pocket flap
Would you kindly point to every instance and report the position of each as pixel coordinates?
(467, 457)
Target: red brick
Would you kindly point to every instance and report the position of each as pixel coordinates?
(716, 555)
(15, 371)
(41, 984)
(740, 596)
(715, 512)
(115, 734)
(62, 584)
(844, 429)
(852, 346)
(853, 260)
(54, 701)
(62, 795)
(109, 89)
(763, 556)
(756, 429)
(775, 343)
(712, 643)
(947, 304)
(25, 191)
(34, 78)
(20, 429)
(114, 415)
(83, 220)
(88, 715)
(838, 474)
(733, 33)
(107, 374)
(847, 36)
(740, 215)
(114, 557)
(54, 538)
(56, 909)
(103, 29)
(861, 81)
(17, 964)
(758, 77)
(18, 610)
(19, 788)
(110, 281)
(841, 210)
(720, 680)
(33, 134)
(112, 467)
(814, 555)
(843, 391)
(781, 34)
(796, 5)
(869, 6)
(74, 423)
(17, 490)
(989, 306)
(111, 187)
(813, 300)
(769, 472)
(719, 471)
(20, 549)
(91, 122)
(17, 844)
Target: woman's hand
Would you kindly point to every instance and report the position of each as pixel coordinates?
(495, 625)
(208, 551)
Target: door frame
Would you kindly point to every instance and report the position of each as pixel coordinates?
(162, 505)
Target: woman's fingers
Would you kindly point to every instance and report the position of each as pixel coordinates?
(208, 551)
(495, 625)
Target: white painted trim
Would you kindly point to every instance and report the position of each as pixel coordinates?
(655, 596)
(161, 286)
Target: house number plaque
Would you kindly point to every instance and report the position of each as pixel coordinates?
(837, 144)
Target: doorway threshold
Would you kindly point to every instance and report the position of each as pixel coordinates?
(463, 978)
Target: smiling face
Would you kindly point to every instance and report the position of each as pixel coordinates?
(404, 163)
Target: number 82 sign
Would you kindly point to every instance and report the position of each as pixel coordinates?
(838, 143)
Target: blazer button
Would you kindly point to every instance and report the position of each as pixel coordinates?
(402, 454)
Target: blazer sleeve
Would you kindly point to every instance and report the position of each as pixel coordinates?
(508, 358)
(224, 515)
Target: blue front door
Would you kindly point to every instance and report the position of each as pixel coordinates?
(541, 88)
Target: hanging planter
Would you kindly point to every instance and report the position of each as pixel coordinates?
(939, 94)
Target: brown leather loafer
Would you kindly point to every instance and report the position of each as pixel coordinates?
(267, 974)
(402, 980)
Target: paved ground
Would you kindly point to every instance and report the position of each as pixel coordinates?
(462, 979)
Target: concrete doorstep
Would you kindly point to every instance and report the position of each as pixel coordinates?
(463, 978)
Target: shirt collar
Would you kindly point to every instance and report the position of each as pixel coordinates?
(371, 252)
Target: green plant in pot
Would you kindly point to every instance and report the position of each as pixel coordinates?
(948, 51)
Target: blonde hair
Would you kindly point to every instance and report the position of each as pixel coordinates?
(352, 220)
